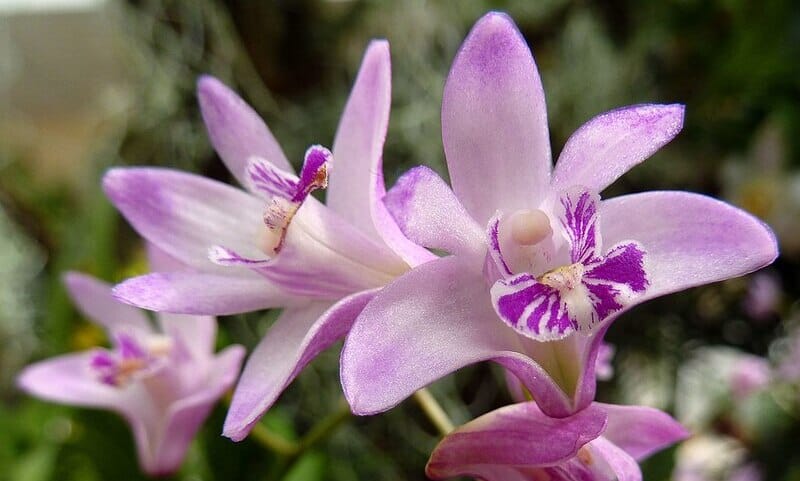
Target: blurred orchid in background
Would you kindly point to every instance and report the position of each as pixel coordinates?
(274, 245)
(539, 266)
(162, 379)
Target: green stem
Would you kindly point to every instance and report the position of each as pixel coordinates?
(263, 436)
(327, 426)
(434, 411)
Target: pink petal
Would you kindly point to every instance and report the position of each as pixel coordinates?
(610, 463)
(296, 338)
(201, 293)
(356, 184)
(612, 143)
(430, 322)
(93, 297)
(494, 122)
(197, 334)
(184, 417)
(518, 436)
(235, 129)
(185, 214)
(689, 239)
(160, 261)
(358, 146)
(429, 213)
(641, 431)
(69, 380)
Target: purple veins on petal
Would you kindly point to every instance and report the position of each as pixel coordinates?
(227, 257)
(532, 307)
(270, 180)
(314, 174)
(623, 264)
(580, 223)
(494, 245)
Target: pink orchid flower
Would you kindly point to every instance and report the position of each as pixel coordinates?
(539, 265)
(163, 380)
(273, 245)
(604, 442)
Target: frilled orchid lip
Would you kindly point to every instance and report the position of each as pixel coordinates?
(571, 297)
(285, 193)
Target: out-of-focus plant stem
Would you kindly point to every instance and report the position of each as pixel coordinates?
(291, 449)
(431, 407)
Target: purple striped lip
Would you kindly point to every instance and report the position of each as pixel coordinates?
(576, 296)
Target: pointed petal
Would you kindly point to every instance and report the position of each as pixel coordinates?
(518, 436)
(236, 131)
(494, 122)
(358, 146)
(641, 431)
(428, 212)
(298, 336)
(689, 239)
(68, 380)
(356, 186)
(185, 214)
(200, 293)
(430, 322)
(184, 417)
(612, 143)
(93, 297)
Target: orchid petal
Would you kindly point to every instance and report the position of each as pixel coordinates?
(195, 333)
(185, 416)
(296, 338)
(494, 122)
(518, 436)
(160, 261)
(428, 212)
(235, 129)
(403, 340)
(358, 145)
(93, 297)
(612, 143)
(690, 239)
(201, 293)
(69, 380)
(185, 214)
(641, 431)
(608, 462)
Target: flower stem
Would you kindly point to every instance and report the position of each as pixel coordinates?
(292, 449)
(327, 426)
(434, 411)
(263, 436)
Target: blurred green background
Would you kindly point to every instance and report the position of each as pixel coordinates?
(89, 84)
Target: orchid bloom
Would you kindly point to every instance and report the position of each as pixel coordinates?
(603, 442)
(273, 245)
(539, 266)
(164, 381)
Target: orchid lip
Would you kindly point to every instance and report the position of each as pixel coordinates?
(130, 359)
(285, 194)
(575, 296)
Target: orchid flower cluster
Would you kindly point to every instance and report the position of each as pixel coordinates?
(516, 262)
